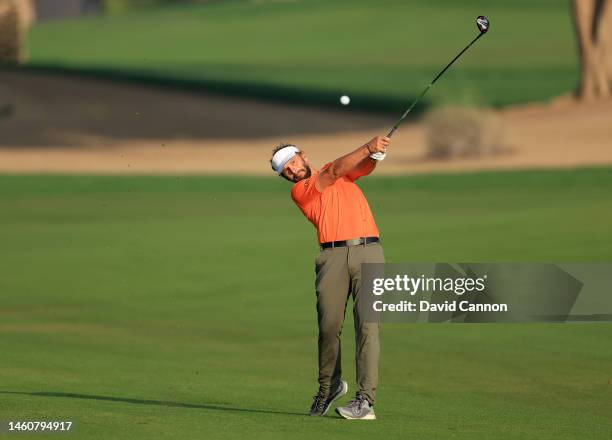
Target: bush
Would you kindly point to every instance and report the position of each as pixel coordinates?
(462, 132)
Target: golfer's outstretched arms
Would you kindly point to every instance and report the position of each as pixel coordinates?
(352, 162)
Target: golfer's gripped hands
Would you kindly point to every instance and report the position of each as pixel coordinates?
(378, 144)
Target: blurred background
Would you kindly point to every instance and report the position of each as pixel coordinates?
(158, 86)
(156, 279)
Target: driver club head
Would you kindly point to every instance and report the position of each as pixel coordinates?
(483, 24)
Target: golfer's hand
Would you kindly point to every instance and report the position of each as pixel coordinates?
(378, 144)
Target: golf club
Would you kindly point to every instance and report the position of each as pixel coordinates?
(482, 23)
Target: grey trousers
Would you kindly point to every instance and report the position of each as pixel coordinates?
(338, 277)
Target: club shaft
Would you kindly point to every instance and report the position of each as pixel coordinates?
(426, 89)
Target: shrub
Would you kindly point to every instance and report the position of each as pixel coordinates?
(462, 132)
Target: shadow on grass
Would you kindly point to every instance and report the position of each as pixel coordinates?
(150, 402)
(43, 106)
(388, 104)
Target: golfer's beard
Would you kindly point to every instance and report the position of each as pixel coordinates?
(307, 173)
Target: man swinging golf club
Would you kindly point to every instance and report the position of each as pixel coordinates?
(348, 237)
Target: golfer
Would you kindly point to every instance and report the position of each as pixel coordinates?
(348, 237)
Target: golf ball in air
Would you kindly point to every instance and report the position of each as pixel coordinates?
(345, 100)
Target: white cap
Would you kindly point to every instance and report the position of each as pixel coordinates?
(282, 156)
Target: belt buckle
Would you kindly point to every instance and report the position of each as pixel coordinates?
(355, 241)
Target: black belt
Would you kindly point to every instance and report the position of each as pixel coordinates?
(351, 242)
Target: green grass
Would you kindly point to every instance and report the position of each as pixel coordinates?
(163, 307)
(380, 53)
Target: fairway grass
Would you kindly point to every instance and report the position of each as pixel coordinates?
(380, 53)
(184, 307)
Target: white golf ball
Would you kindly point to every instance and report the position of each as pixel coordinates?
(345, 100)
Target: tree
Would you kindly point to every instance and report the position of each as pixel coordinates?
(11, 40)
(15, 17)
(593, 21)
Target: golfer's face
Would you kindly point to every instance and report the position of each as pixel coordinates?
(296, 169)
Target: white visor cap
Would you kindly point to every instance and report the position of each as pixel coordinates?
(282, 156)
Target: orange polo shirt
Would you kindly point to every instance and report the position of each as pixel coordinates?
(340, 212)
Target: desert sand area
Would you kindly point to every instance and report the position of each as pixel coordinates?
(66, 124)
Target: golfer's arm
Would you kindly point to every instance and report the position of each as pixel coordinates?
(363, 168)
(342, 166)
